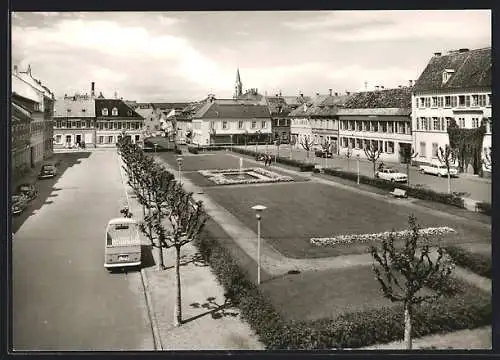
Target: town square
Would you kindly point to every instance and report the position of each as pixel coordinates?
(248, 203)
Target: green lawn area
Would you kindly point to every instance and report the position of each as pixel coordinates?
(213, 160)
(297, 212)
(326, 294)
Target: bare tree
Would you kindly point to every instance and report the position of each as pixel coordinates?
(404, 271)
(306, 142)
(372, 154)
(407, 154)
(348, 155)
(447, 157)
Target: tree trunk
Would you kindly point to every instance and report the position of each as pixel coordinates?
(407, 339)
(161, 264)
(374, 168)
(449, 182)
(178, 314)
(408, 173)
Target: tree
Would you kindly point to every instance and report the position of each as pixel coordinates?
(403, 272)
(278, 143)
(187, 219)
(245, 134)
(306, 142)
(407, 154)
(447, 157)
(257, 133)
(372, 154)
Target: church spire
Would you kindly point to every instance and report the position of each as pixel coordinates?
(238, 86)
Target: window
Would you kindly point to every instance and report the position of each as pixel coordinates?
(68, 139)
(434, 150)
(434, 101)
(453, 101)
(68, 124)
(365, 126)
(263, 124)
(129, 113)
(105, 112)
(475, 101)
(384, 126)
(351, 125)
(375, 125)
(421, 102)
(435, 123)
(475, 122)
(128, 125)
(401, 127)
(461, 122)
(467, 101)
(254, 124)
(418, 123)
(110, 139)
(481, 100)
(442, 124)
(440, 102)
(115, 125)
(114, 112)
(78, 124)
(240, 124)
(358, 144)
(422, 149)
(359, 126)
(67, 110)
(224, 125)
(101, 139)
(275, 122)
(390, 147)
(58, 123)
(58, 139)
(89, 123)
(84, 111)
(488, 102)
(424, 124)
(461, 100)
(427, 102)
(137, 137)
(447, 101)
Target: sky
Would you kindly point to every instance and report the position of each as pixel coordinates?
(184, 56)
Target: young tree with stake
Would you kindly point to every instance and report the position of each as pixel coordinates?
(306, 142)
(404, 271)
(372, 154)
(447, 157)
(407, 154)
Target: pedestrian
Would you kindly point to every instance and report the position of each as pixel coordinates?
(269, 160)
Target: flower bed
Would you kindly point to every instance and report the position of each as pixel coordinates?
(360, 238)
(260, 176)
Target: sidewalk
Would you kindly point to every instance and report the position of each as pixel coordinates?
(210, 323)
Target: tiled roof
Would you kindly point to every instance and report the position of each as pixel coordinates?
(76, 107)
(24, 89)
(472, 70)
(31, 81)
(296, 100)
(375, 111)
(321, 105)
(19, 113)
(234, 110)
(389, 98)
(123, 109)
(169, 106)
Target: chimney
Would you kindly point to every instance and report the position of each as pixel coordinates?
(410, 83)
(301, 95)
(92, 88)
(381, 88)
(347, 92)
(330, 91)
(399, 86)
(376, 87)
(437, 54)
(317, 94)
(463, 50)
(336, 94)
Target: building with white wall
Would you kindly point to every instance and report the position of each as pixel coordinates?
(231, 121)
(380, 118)
(455, 86)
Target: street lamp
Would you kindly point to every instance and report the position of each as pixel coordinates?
(258, 209)
(179, 162)
(357, 158)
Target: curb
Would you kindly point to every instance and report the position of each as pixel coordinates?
(144, 280)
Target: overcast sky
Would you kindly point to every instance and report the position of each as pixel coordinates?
(183, 56)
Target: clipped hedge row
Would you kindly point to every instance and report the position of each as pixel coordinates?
(469, 308)
(477, 263)
(193, 150)
(484, 207)
(424, 194)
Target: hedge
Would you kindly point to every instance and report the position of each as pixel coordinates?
(484, 207)
(477, 263)
(469, 308)
(424, 194)
(303, 166)
(193, 150)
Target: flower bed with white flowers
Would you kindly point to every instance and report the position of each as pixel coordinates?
(259, 176)
(363, 238)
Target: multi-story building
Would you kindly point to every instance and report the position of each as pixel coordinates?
(155, 116)
(380, 118)
(231, 121)
(113, 117)
(21, 136)
(38, 100)
(453, 86)
(74, 118)
(280, 108)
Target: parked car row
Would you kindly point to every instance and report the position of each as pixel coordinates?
(438, 169)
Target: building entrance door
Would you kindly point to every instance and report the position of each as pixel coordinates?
(78, 139)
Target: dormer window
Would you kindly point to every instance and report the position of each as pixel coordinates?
(447, 73)
(83, 110)
(105, 112)
(114, 112)
(68, 110)
(129, 113)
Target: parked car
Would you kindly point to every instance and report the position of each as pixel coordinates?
(47, 171)
(391, 174)
(438, 169)
(29, 190)
(19, 203)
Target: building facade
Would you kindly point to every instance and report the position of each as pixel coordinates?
(230, 121)
(455, 86)
(21, 137)
(29, 94)
(380, 119)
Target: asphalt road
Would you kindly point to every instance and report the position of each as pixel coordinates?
(62, 297)
(476, 188)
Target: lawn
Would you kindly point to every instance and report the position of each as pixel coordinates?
(214, 160)
(296, 212)
(326, 294)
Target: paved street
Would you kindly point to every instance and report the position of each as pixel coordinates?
(478, 188)
(63, 298)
